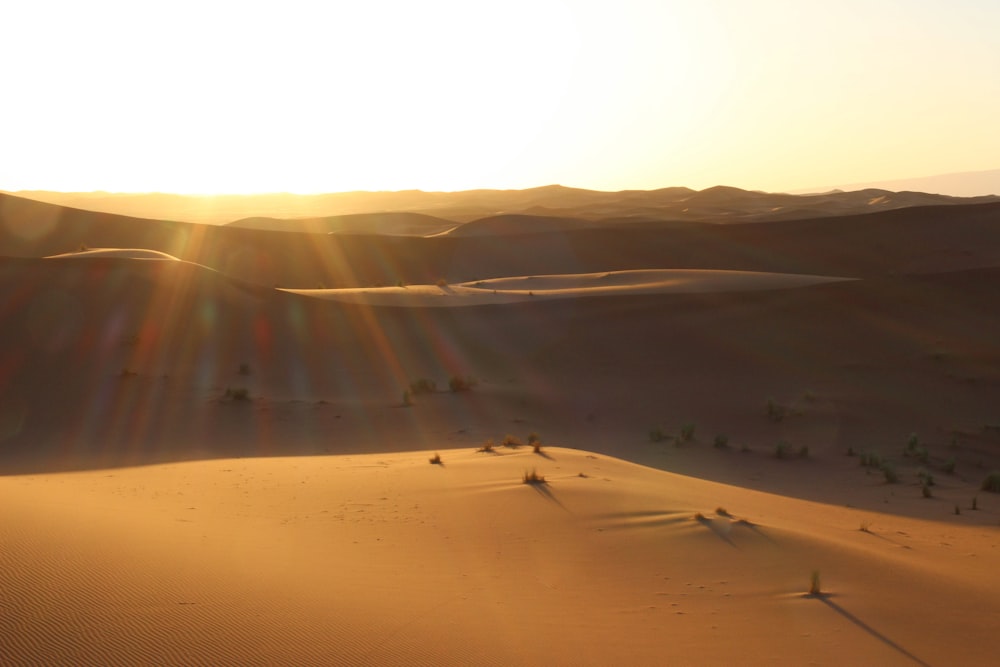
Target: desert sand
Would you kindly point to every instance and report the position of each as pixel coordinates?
(199, 468)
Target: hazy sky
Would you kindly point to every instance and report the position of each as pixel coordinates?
(211, 96)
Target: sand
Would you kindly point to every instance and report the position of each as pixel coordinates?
(201, 469)
(388, 559)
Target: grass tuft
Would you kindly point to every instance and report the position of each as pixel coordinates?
(459, 384)
(436, 459)
(533, 477)
(487, 447)
(721, 441)
(992, 482)
(814, 584)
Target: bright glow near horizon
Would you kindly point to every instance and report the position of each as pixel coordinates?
(211, 97)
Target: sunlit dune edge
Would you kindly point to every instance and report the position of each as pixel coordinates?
(121, 253)
(565, 286)
(390, 559)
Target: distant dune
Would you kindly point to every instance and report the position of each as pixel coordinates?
(962, 184)
(333, 212)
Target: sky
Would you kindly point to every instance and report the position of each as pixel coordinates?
(216, 97)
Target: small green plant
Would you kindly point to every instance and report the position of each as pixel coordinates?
(871, 460)
(721, 441)
(949, 466)
(458, 384)
(436, 459)
(781, 449)
(814, 583)
(687, 433)
(992, 482)
(656, 434)
(237, 394)
(487, 447)
(423, 386)
(889, 472)
(926, 478)
(533, 477)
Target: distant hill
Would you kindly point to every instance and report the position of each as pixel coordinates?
(337, 212)
(961, 184)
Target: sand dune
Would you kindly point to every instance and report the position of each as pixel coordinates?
(197, 468)
(566, 286)
(387, 559)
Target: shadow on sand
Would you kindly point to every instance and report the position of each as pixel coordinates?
(826, 599)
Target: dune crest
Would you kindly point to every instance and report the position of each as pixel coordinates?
(567, 286)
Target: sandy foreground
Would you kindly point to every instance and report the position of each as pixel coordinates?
(388, 559)
(567, 286)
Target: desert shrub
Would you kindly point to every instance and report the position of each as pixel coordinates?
(457, 383)
(926, 478)
(958, 510)
(871, 460)
(537, 447)
(487, 447)
(975, 502)
(889, 472)
(992, 482)
(781, 449)
(814, 584)
(436, 459)
(699, 517)
(533, 477)
(775, 412)
(533, 438)
(721, 441)
(912, 443)
(441, 282)
(237, 394)
(865, 526)
(926, 491)
(423, 386)
(949, 466)
(721, 511)
(804, 452)
(656, 434)
(511, 441)
(244, 369)
(687, 433)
